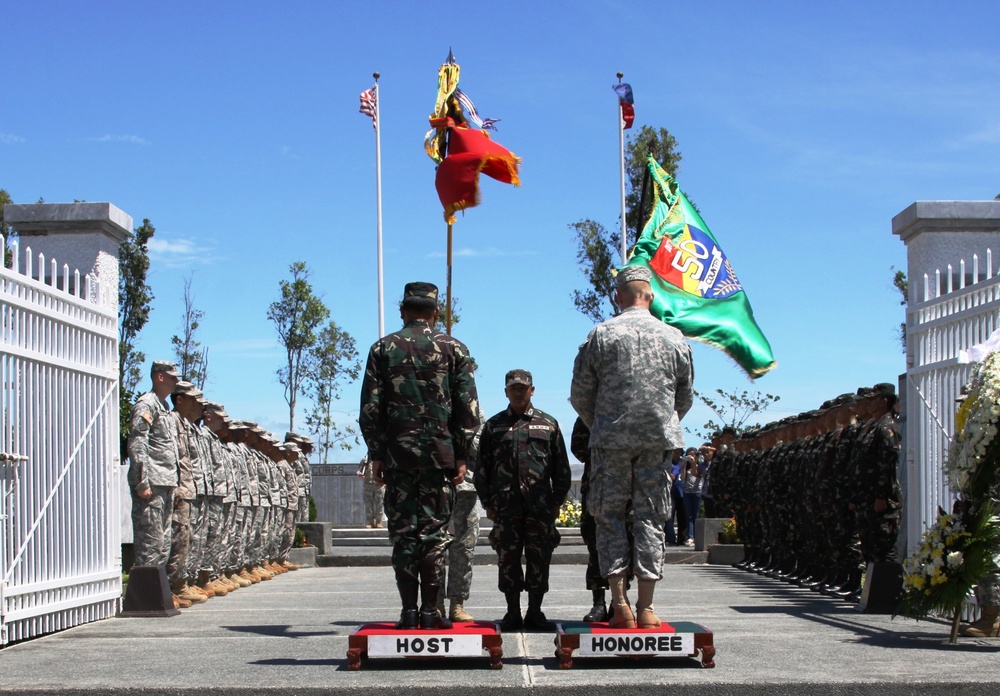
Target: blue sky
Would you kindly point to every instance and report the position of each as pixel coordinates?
(234, 127)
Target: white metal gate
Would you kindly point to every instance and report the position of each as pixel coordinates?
(60, 538)
(958, 311)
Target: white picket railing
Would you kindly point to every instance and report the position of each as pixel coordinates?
(958, 310)
(60, 537)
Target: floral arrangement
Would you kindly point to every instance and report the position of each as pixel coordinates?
(959, 548)
(729, 533)
(569, 514)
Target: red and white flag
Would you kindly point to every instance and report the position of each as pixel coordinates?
(369, 105)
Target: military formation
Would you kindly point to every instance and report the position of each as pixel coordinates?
(816, 496)
(214, 500)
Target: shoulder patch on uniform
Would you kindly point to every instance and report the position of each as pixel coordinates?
(147, 416)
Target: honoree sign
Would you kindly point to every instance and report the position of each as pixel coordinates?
(676, 644)
(429, 645)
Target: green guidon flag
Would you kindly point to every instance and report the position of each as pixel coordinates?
(694, 288)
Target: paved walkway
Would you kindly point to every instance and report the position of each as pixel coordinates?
(289, 636)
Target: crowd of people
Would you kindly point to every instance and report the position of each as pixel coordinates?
(816, 496)
(214, 500)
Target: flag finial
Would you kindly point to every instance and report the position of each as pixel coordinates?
(451, 58)
(376, 75)
(620, 76)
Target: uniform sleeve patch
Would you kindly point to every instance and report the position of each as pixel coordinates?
(147, 416)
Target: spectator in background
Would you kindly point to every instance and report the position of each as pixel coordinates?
(692, 475)
(708, 455)
(678, 518)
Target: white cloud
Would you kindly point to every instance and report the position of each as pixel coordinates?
(132, 139)
(179, 252)
(10, 138)
(287, 152)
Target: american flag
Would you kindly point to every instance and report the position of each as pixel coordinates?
(368, 105)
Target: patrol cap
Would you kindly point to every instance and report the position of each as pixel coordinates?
(632, 273)
(216, 408)
(166, 367)
(420, 295)
(188, 389)
(518, 377)
(885, 388)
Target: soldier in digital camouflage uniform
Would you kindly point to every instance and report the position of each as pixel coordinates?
(303, 472)
(374, 494)
(465, 524)
(522, 481)
(419, 413)
(632, 383)
(152, 475)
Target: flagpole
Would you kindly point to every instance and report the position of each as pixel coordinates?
(378, 200)
(621, 170)
(447, 314)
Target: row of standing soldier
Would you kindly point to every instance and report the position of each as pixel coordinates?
(816, 497)
(214, 500)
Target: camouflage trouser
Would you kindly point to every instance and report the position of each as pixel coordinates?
(237, 537)
(199, 530)
(616, 477)
(151, 526)
(180, 541)
(303, 512)
(877, 532)
(465, 521)
(374, 503)
(255, 523)
(535, 538)
(588, 531)
(418, 503)
(211, 559)
(287, 533)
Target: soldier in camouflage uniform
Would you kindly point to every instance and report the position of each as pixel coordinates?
(374, 494)
(632, 383)
(465, 523)
(419, 413)
(522, 481)
(878, 495)
(152, 475)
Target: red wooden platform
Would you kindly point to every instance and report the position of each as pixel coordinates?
(677, 639)
(464, 639)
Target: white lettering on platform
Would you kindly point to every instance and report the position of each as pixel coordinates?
(636, 644)
(425, 645)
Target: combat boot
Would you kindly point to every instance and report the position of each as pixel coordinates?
(512, 620)
(645, 618)
(430, 589)
(239, 580)
(987, 626)
(219, 589)
(623, 616)
(458, 612)
(229, 582)
(534, 618)
(248, 576)
(263, 572)
(180, 603)
(408, 587)
(290, 566)
(188, 593)
(599, 612)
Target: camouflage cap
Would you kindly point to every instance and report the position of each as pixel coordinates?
(885, 389)
(188, 389)
(518, 377)
(632, 273)
(216, 408)
(166, 367)
(420, 290)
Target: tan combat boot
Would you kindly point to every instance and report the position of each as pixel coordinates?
(220, 589)
(287, 565)
(188, 593)
(645, 618)
(458, 612)
(987, 626)
(239, 579)
(623, 618)
(180, 603)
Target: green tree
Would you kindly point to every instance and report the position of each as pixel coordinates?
(297, 315)
(733, 409)
(134, 305)
(902, 284)
(333, 358)
(598, 250)
(8, 256)
(192, 359)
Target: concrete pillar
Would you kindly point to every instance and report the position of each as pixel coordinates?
(83, 236)
(938, 233)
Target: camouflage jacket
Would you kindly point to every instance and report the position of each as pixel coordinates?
(152, 444)
(633, 382)
(419, 406)
(523, 466)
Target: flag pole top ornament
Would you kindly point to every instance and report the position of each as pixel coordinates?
(694, 286)
(376, 75)
(460, 151)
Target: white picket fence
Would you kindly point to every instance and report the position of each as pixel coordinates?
(959, 309)
(60, 537)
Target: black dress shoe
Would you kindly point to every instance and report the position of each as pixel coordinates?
(598, 614)
(430, 620)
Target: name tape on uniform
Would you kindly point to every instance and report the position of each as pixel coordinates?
(636, 644)
(429, 645)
